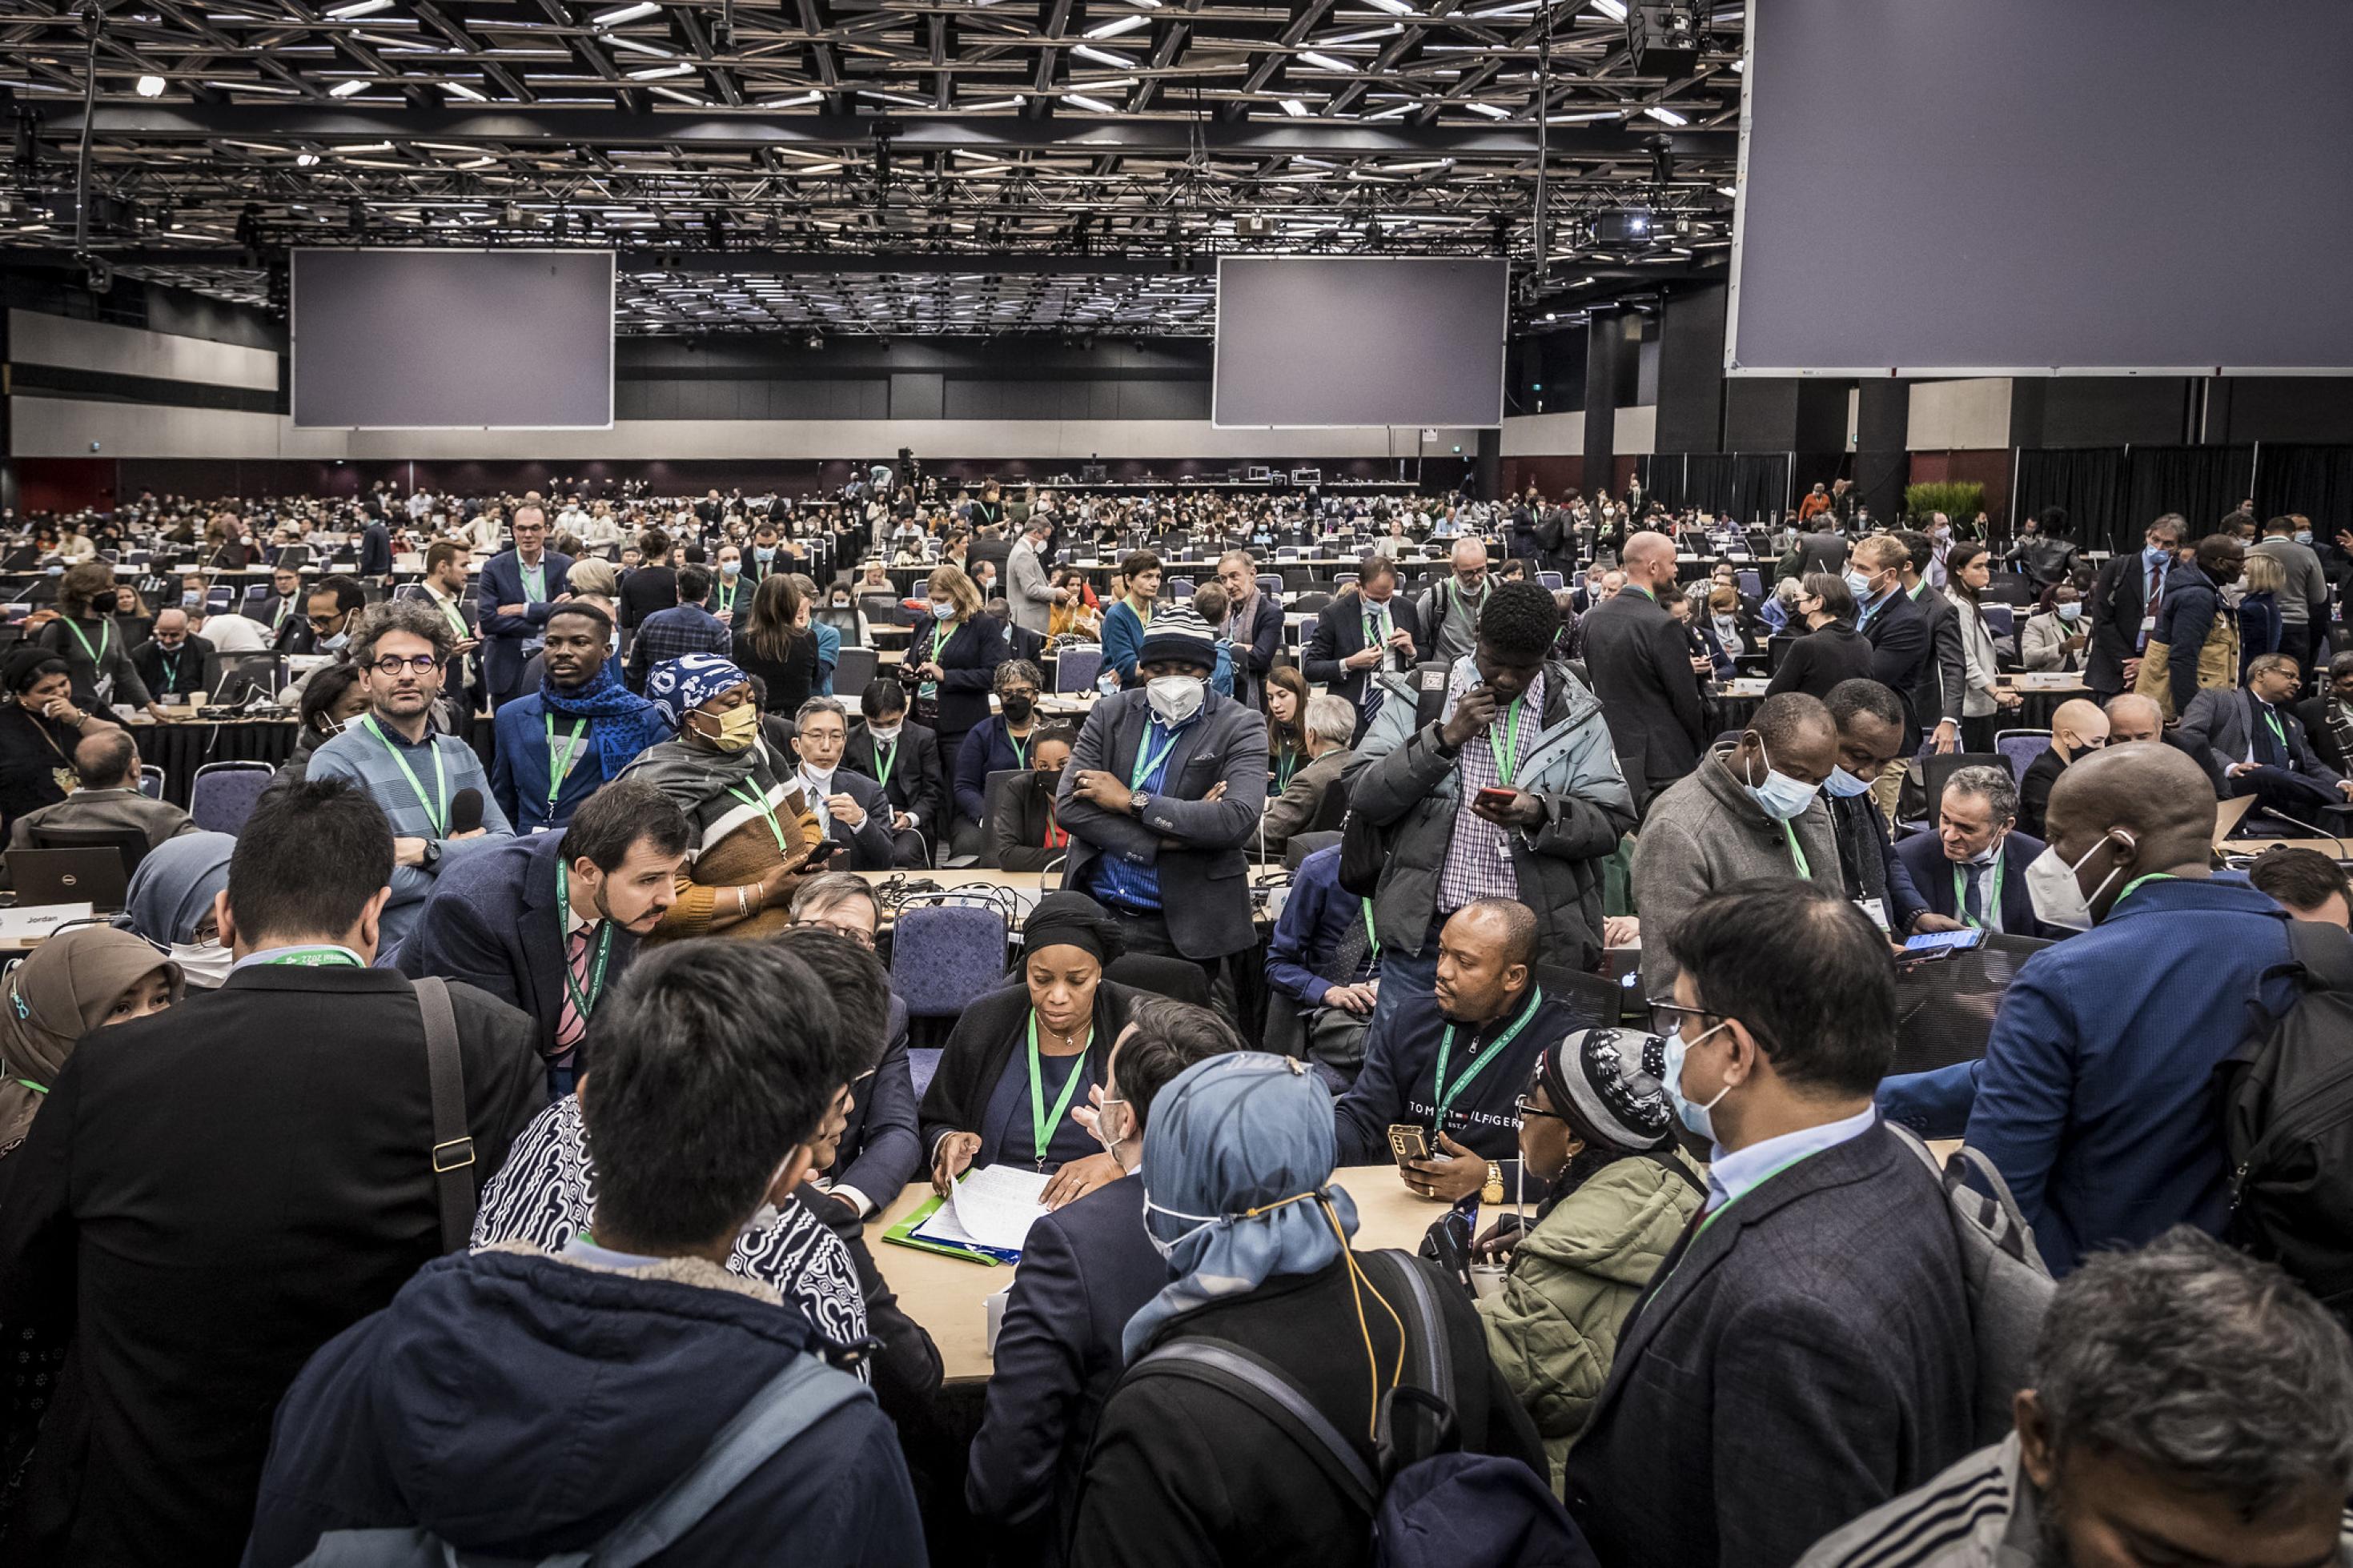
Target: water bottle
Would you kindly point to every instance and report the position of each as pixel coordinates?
(1107, 683)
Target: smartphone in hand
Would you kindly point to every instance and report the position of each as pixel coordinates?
(1497, 799)
(816, 858)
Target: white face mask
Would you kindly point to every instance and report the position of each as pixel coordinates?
(2070, 611)
(1780, 797)
(206, 964)
(1693, 1115)
(1174, 699)
(1201, 1223)
(2058, 898)
(1843, 785)
(882, 737)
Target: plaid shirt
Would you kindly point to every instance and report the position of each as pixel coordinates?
(1479, 858)
(673, 633)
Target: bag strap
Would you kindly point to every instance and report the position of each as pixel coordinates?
(1430, 1390)
(453, 1148)
(1267, 1390)
(792, 1400)
(1666, 1157)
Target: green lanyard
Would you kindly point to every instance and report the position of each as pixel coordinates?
(884, 761)
(559, 768)
(1284, 766)
(36, 1088)
(534, 582)
(940, 634)
(457, 617)
(1146, 760)
(105, 634)
(1021, 748)
(171, 673)
(317, 958)
(1796, 855)
(1446, 1096)
(2136, 881)
(759, 803)
(1372, 938)
(1378, 624)
(437, 811)
(726, 594)
(1503, 740)
(1042, 1126)
(1993, 896)
(2271, 717)
(581, 1005)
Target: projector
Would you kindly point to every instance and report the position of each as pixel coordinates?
(1665, 40)
(1254, 225)
(1628, 225)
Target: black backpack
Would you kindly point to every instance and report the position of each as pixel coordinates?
(1365, 848)
(2287, 1098)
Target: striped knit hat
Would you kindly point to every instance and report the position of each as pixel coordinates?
(1182, 635)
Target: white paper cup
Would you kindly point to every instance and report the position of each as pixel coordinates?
(1486, 1280)
(997, 1316)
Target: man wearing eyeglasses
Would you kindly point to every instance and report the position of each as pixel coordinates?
(430, 784)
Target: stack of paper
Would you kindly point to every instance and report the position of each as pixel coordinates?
(996, 1205)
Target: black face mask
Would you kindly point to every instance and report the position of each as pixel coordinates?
(104, 604)
(1018, 708)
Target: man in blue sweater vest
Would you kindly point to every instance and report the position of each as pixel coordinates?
(1454, 1062)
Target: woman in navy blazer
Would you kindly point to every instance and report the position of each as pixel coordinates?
(956, 655)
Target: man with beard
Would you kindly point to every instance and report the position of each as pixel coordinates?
(393, 751)
(2189, 1406)
(556, 745)
(549, 922)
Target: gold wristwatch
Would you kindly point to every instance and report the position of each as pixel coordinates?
(1492, 1192)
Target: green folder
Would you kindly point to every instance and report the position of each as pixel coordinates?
(903, 1234)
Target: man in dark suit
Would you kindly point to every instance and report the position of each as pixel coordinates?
(2076, 727)
(2259, 746)
(905, 758)
(1146, 839)
(1373, 628)
(855, 809)
(211, 1194)
(1821, 552)
(1973, 868)
(1253, 625)
(283, 606)
(1936, 698)
(516, 591)
(2329, 718)
(1085, 1270)
(513, 920)
(1817, 1308)
(331, 612)
(375, 551)
(175, 661)
(2123, 607)
(1641, 668)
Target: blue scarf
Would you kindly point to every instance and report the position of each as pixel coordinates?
(623, 722)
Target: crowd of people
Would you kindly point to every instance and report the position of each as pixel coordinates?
(480, 1154)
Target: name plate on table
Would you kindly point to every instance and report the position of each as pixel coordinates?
(1744, 686)
(37, 922)
(2045, 680)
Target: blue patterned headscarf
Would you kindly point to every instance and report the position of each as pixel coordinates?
(678, 684)
(1228, 1142)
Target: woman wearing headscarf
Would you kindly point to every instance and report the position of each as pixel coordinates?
(1594, 1126)
(1236, 1195)
(1021, 1060)
(75, 983)
(40, 728)
(755, 837)
(171, 898)
(96, 651)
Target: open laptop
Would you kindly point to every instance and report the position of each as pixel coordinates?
(2228, 814)
(92, 877)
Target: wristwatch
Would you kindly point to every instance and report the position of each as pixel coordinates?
(1140, 802)
(1492, 1192)
(432, 853)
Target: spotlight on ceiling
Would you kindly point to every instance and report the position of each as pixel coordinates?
(151, 86)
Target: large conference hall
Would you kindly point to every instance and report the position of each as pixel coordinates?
(1627, 725)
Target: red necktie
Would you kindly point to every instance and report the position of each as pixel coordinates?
(569, 1024)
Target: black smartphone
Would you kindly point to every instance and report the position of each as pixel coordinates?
(817, 856)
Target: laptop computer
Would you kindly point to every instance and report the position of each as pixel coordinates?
(92, 877)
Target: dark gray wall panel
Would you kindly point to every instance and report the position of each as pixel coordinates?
(2124, 184)
(1318, 340)
(443, 339)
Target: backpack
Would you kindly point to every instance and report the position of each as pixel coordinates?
(794, 1400)
(1364, 848)
(2003, 1275)
(2286, 1095)
(1432, 1506)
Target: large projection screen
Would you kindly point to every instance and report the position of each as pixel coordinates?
(2024, 187)
(1312, 341)
(424, 340)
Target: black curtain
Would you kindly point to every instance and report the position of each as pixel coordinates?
(1707, 480)
(1760, 488)
(1662, 479)
(2315, 480)
(2090, 482)
(2202, 483)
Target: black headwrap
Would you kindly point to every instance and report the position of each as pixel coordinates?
(1071, 919)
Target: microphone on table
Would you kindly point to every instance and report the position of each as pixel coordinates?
(465, 812)
(2309, 827)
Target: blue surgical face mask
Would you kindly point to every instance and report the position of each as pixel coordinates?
(1694, 1116)
(330, 645)
(1780, 797)
(942, 612)
(2155, 554)
(2303, 536)
(2072, 610)
(1843, 785)
(1858, 585)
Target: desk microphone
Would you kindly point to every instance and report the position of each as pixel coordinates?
(2309, 827)
(465, 812)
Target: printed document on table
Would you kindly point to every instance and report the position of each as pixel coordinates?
(997, 1204)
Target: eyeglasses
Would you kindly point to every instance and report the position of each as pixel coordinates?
(417, 664)
(1527, 1107)
(1017, 691)
(324, 620)
(1665, 1016)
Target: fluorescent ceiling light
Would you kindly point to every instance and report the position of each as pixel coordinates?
(1394, 7)
(1665, 115)
(359, 8)
(1083, 101)
(1293, 107)
(459, 90)
(620, 14)
(795, 103)
(1491, 111)
(656, 73)
(150, 87)
(305, 159)
(1118, 24)
(1727, 190)
(346, 88)
(1016, 101)
(1325, 62)
(1104, 58)
(1613, 9)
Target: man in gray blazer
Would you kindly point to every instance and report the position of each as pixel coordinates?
(2254, 739)
(107, 764)
(1817, 1308)
(1030, 591)
(1936, 698)
(1161, 796)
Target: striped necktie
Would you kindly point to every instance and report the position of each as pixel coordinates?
(569, 1024)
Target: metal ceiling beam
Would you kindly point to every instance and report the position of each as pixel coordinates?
(692, 259)
(529, 127)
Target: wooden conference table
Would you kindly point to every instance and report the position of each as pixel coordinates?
(950, 1297)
